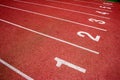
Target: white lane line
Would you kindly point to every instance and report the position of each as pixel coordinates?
(91, 2)
(110, 4)
(53, 17)
(88, 2)
(62, 9)
(103, 3)
(48, 36)
(16, 70)
(78, 5)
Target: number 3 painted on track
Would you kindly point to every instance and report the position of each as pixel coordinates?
(95, 20)
(82, 34)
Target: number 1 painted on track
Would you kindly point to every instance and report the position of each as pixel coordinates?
(61, 61)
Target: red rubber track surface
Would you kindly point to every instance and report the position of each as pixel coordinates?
(34, 54)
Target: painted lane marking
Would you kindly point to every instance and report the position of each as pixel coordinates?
(48, 36)
(108, 4)
(61, 61)
(78, 5)
(15, 70)
(97, 21)
(83, 34)
(89, 2)
(103, 13)
(53, 17)
(62, 9)
(104, 7)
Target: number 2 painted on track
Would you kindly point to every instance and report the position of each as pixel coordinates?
(95, 20)
(82, 34)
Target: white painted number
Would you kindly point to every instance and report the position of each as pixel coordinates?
(104, 7)
(82, 34)
(95, 20)
(61, 61)
(104, 13)
(108, 3)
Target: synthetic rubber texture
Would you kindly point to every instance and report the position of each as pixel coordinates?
(59, 40)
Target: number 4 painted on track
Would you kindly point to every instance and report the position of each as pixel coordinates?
(104, 7)
(61, 61)
(104, 13)
(108, 3)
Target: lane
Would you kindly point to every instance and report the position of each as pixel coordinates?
(32, 3)
(107, 6)
(89, 4)
(72, 4)
(99, 19)
(24, 48)
(33, 49)
(82, 20)
(107, 3)
(15, 70)
(76, 8)
(7, 74)
(104, 7)
(95, 3)
(45, 35)
(55, 28)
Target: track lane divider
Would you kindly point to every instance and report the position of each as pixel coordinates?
(15, 70)
(53, 17)
(78, 5)
(61, 9)
(96, 3)
(51, 37)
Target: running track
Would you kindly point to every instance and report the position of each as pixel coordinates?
(59, 40)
